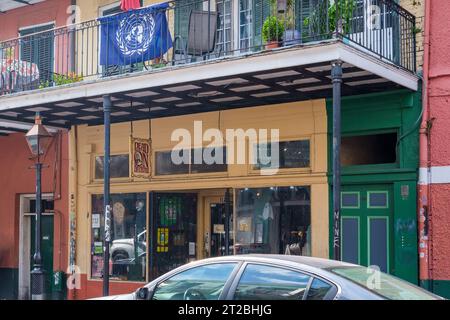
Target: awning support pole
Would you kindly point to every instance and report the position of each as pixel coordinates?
(107, 105)
(336, 76)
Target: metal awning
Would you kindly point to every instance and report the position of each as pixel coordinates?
(6, 5)
(270, 78)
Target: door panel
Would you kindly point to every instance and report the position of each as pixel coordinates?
(350, 239)
(46, 248)
(366, 225)
(215, 227)
(379, 242)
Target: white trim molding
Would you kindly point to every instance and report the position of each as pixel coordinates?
(434, 175)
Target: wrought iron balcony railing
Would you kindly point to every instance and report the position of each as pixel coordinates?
(192, 31)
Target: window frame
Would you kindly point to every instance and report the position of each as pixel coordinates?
(364, 167)
(188, 175)
(252, 170)
(121, 179)
(232, 290)
(89, 238)
(154, 285)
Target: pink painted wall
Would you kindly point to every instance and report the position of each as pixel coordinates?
(437, 80)
(16, 178)
(47, 11)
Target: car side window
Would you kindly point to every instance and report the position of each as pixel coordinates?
(261, 282)
(200, 283)
(319, 290)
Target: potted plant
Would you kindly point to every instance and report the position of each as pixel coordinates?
(272, 32)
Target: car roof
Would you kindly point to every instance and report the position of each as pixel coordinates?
(307, 261)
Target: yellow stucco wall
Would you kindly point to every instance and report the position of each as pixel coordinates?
(299, 120)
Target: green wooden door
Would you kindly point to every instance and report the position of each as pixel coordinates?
(366, 225)
(46, 248)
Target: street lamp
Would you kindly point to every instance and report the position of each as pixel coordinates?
(38, 139)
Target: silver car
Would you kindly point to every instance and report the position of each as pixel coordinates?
(275, 277)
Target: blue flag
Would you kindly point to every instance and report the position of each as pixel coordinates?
(134, 36)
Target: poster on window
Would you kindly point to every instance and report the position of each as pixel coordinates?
(140, 157)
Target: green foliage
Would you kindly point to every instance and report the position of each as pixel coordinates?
(61, 79)
(273, 29)
(322, 21)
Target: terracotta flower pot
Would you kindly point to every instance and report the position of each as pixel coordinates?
(272, 44)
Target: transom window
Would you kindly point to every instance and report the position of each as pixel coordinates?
(291, 154)
(183, 161)
(119, 166)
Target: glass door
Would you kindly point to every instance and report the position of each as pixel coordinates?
(174, 231)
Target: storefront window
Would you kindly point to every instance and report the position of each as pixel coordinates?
(273, 220)
(128, 248)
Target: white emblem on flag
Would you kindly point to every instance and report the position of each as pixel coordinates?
(135, 34)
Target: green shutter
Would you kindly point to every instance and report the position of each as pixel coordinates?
(39, 49)
(261, 10)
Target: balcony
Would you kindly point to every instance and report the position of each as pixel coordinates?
(208, 55)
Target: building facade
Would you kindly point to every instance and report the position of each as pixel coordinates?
(17, 184)
(258, 102)
(434, 155)
(379, 175)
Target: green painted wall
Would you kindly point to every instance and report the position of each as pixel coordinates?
(439, 287)
(8, 283)
(395, 111)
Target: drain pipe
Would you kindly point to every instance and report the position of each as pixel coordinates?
(424, 187)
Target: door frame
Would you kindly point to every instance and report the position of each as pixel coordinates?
(25, 242)
(206, 231)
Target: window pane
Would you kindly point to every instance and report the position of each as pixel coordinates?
(128, 234)
(350, 240)
(350, 200)
(378, 243)
(369, 149)
(119, 166)
(273, 220)
(165, 165)
(378, 199)
(260, 282)
(291, 154)
(200, 283)
(318, 290)
(212, 160)
(175, 231)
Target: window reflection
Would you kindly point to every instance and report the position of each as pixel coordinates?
(128, 236)
(273, 220)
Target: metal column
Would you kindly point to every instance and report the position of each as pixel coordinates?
(336, 76)
(107, 105)
(38, 275)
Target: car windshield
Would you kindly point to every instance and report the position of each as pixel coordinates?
(383, 284)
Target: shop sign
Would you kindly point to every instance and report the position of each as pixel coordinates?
(140, 157)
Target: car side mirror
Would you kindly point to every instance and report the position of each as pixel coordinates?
(142, 293)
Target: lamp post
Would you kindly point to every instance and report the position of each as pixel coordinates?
(38, 139)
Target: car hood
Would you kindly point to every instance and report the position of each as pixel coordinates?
(128, 296)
